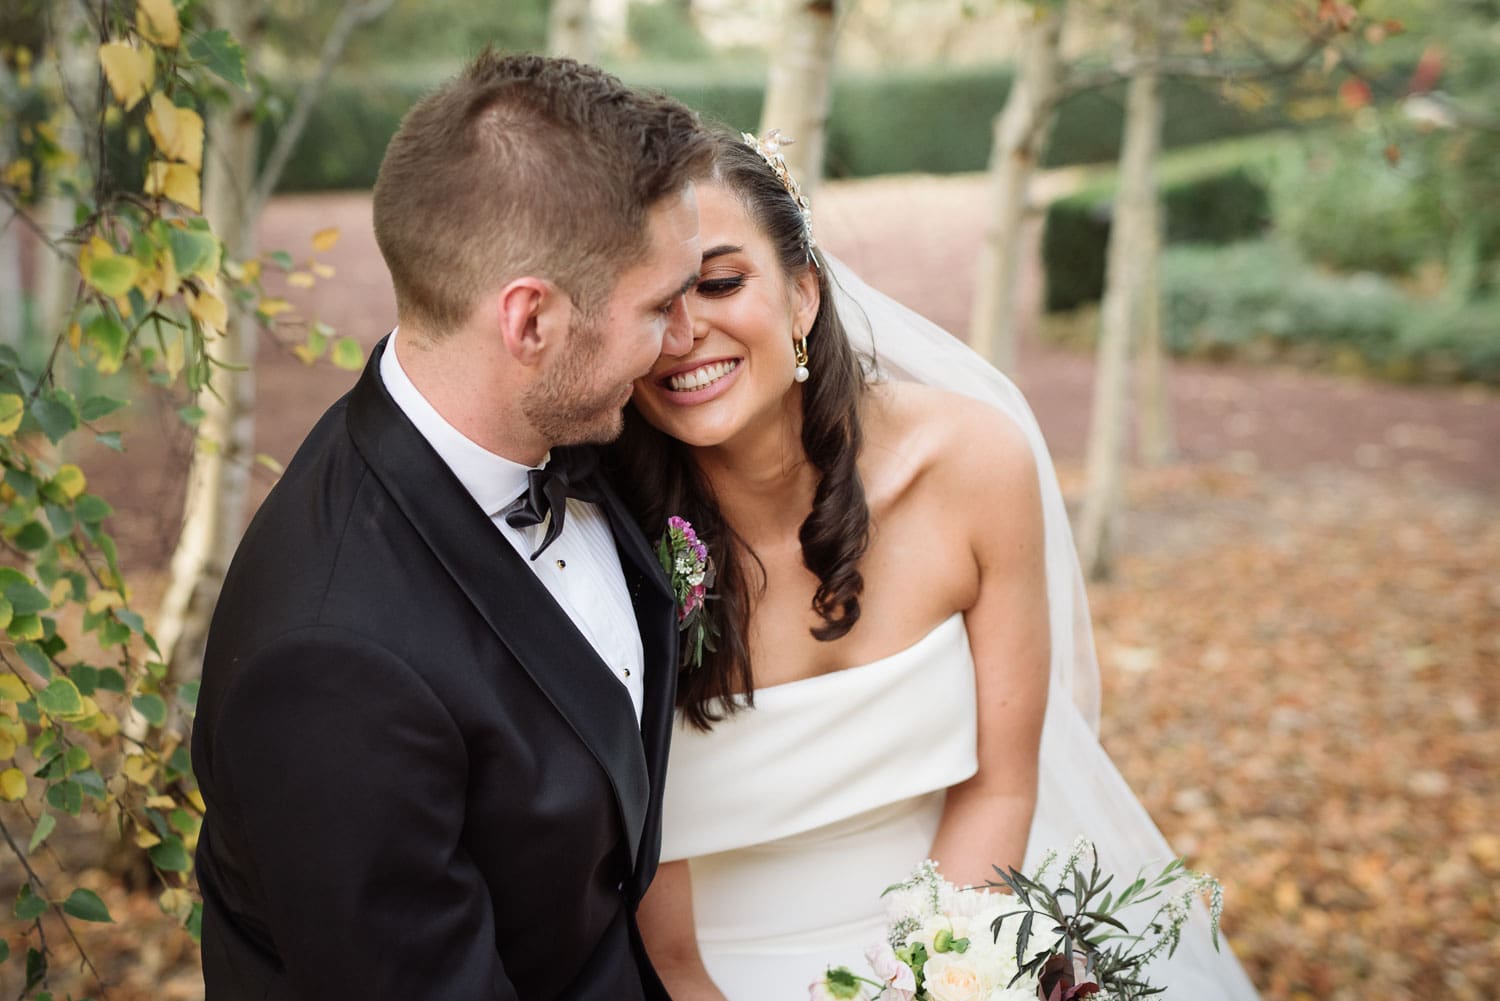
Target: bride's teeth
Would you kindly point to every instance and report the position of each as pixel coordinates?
(700, 377)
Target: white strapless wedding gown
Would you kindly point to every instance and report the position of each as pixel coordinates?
(796, 814)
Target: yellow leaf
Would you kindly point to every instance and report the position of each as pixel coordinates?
(307, 354)
(13, 689)
(109, 272)
(273, 307)
(208, 309)
(301, 279)
(12, 784)
(138, 770)
(130, 71)
(70, 480)
(176, 181)
(196, 798)
(176, 901)
(321, 270)
(12, 409)
(178, 132)
(105, 600)
(62, 589)
(7, 746)
(162, 803)
(157, 21)
(75, 336)
(324, 239)
(146, 839)
(251, 270)
(18, 176)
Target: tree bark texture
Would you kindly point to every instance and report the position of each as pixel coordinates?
(1021, 132)
(1132, 240)
(799, 87)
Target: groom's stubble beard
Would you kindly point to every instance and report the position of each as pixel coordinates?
(572, 404)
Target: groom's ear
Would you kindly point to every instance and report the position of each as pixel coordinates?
(532, 315)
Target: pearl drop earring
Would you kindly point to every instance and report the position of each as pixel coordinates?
(799, 349)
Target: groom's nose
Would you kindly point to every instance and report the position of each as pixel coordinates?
(681, 330)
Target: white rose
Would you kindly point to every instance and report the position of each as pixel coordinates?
(952, 976)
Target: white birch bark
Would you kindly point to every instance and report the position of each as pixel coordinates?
(1155, 435)
(570, 30)
(10, 241)
(799, 87)
(1131, 242)
(218, 481)
(77, 66)
(1021, 131)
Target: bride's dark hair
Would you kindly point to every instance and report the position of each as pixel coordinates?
(657, 477)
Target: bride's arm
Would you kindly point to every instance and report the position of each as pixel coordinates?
(666, 921)
(995, 496)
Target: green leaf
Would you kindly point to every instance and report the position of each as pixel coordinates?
(61, 698)
(188, 693)
(191, 416)
(60, 519)
(347, 354)
(152, 707)
(221, 55)
(282, 260)
(7, 612)
(85, 905)
(44, 827)
(5, 946)
(31, 537)
(77, 759)
(26, 599)
(35, 658)
(194, 252)
(111, 680)
(26, 627)
(55, 413)
(85, 677)
(91, 510)
(113, 276)
(109, 338)
(91, 783)
(110, 440)
(170, 856)
(29, 906)
(36, 967)
(96, 407)
(66, 796)
(195, 922)
(24, 484)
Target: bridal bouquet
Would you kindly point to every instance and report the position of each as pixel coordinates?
(1054, 939)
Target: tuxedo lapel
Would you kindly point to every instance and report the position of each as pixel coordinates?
(505, 592)
(655, 613)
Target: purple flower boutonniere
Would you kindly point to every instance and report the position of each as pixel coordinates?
(687, 564)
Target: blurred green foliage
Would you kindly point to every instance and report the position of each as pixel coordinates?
(1262, 301)
(935, 120)
(1210, 194)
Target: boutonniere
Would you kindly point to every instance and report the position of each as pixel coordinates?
(686, 562)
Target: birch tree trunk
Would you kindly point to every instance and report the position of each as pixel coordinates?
(1021, 132)
(799, 87)
(10, 240)
(78, 73)
(1131, 242)
(570, 30)
(214, 509)
(1154, 430)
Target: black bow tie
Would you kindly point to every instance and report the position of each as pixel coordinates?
(565, 475)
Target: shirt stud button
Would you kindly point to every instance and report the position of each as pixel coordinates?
(627, 672)
(562, 564)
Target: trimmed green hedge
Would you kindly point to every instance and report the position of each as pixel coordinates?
(1262, 301)
(930, 120)
(1210, 194)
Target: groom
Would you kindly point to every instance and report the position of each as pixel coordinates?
(438, 688)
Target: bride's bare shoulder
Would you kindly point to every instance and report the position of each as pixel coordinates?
(948, 437)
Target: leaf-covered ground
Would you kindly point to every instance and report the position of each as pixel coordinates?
(1301, 644)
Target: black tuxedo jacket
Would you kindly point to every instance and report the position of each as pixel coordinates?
(421, 780)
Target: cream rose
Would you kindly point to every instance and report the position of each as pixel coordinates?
(952, 977)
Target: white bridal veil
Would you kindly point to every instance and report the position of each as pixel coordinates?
(1080, 791)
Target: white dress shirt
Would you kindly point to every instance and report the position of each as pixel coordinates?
(581, 569)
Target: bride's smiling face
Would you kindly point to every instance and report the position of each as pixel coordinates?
(746, 314)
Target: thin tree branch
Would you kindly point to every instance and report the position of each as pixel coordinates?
(352, 16)
(67, 925)
(1264, 66)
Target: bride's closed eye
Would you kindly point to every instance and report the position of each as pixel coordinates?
(717, 288)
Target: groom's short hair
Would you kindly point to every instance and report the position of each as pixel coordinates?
(526, 165)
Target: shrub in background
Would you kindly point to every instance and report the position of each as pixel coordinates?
(1210, 194)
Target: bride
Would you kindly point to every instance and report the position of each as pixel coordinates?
(903, 665)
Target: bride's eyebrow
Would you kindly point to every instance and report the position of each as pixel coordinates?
(720, 251)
